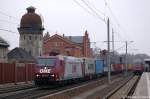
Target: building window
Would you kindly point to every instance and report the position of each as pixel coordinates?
(40, 38)
(68, 53)
(29, 37)
(56, 44)
(30, 52)
(40, 53)
(35, 37)
(24, 37)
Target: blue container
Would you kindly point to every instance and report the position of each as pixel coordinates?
(99, 64)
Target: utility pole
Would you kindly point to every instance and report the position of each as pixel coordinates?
(126, 57)
(108, 52)
(126, 65)
(113, 47)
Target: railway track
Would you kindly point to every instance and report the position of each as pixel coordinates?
(124, 90)
(39, 92)
(72, 92)
(16, 88)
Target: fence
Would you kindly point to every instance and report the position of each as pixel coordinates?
(16, 72)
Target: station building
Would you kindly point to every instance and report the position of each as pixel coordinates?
(78, 46)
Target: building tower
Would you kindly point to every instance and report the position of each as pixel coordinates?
(31, 32)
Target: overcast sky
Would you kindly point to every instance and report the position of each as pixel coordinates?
(130, 20)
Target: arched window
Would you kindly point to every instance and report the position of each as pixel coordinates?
(35, 37)
(30, 52)
(24, 37)
(29, 37)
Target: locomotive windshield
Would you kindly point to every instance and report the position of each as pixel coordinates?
(46, 61)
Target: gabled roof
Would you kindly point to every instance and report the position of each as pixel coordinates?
(76, 39)
(64, 39)
(20, 55)
(3, 42)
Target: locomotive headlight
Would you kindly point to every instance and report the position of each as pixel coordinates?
(53, 75)
(37, 75)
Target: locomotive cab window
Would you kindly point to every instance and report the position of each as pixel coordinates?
(46, 62)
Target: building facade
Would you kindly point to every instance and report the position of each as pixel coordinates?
(78, 46)
(3, 50)
(31, 33)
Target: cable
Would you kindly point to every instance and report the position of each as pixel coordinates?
(116, 20)
(8, 22)
(113, 15)
(95, 8)
(98, 16)
(119, 36)
(2, 13)
(84, 8)
(120, 47)
(8, 31)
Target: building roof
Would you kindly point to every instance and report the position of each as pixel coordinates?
(3, 42)
(75, 39)
(31, 19)
(20, 55)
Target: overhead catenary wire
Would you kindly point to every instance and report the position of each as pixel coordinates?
(10, 16)
(83, 8)
(95, 8)
(119, 26)
(120, 47)
(112, 13)
(119, 36)
(8, 22)
(6, 30)
(98, 16)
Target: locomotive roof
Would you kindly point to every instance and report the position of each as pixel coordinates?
(61, 57)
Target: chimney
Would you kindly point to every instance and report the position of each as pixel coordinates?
(69, 37)
(86, 33)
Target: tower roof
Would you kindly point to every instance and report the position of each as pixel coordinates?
(31, 9)
(31, 19)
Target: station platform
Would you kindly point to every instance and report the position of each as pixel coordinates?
(142, 90)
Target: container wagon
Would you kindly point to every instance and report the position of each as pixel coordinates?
(99, 66)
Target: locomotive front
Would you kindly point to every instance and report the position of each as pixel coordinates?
(46, 72)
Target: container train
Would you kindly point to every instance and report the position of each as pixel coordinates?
(61, 69)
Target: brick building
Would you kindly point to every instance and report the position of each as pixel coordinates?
(78, 46)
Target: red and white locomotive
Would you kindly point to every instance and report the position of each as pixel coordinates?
(53, 69)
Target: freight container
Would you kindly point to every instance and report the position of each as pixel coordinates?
(99, 66)
(118, 68)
